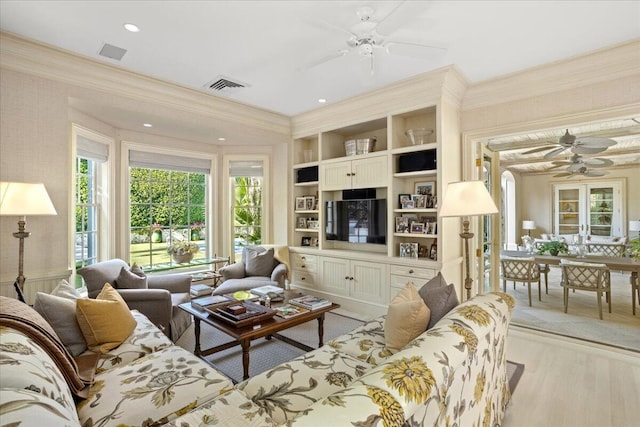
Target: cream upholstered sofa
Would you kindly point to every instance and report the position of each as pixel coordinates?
(452, 374)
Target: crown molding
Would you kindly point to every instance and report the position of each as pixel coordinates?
(603, 65)
(42, 60)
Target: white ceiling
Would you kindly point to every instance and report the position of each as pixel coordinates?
(267, 44)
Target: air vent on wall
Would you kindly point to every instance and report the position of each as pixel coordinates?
(225, 85)
(111, 51)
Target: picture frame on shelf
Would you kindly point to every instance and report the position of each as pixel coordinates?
(310, 202)
(402, 199)
(419, 201)
(423, 251)
(302, 222)
(306, 241)
(433, 252)
(417, 227)
(313, 224)
(314, 242)
(409, 250)
(402, 224)
(425, 188)
(408, 204)
(301, 203)
(316, 205)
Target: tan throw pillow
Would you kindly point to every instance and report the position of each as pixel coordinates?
(105, 321)
(128, 279)
(407, 317)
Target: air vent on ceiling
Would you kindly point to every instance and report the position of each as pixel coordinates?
(111, 51)
(225, 84)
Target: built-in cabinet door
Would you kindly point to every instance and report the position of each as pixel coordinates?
(369, 173)
(335, 273)
(367, 281)
(336, 176)
(594, 208)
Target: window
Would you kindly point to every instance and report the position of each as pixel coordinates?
(168, 205)
(91, 187)
(247, 185)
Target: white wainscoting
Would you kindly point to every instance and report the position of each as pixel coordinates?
(45, 283)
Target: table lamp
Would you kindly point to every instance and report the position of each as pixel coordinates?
(634, 226)
(22, 199)
(529, 225)
(465, 199)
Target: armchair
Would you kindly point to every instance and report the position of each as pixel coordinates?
(259, 267)
(158, 298)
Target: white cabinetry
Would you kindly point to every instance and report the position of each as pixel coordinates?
(594, 208)
(367, 172)
(304, 269)
(361, 280)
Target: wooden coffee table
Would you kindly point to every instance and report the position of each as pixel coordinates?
(244, 335)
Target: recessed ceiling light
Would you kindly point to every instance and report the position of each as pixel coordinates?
(322, 100)
(132, 27)
(222, 139)
(147, 125)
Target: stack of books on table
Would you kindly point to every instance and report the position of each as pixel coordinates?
(200, 290)
(263, 290)
(288, 311)
(310, 302)
(204, 302)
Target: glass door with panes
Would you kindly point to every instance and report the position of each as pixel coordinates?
(589, 209)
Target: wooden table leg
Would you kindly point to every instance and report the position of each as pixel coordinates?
(246, 344)
(197, 351)
(320, 330)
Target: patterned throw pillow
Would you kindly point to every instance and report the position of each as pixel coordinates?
(407, 317)
(105, 321)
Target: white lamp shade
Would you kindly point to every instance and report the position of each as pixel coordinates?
(634, 225)
(528, 225)
(22, 199)
(467, 198)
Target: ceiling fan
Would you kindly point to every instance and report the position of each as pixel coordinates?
(365, 40)
(578, 165)
(581, 145)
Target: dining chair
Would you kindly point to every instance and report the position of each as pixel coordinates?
(586, 276)
(607, 249)
(520, 269)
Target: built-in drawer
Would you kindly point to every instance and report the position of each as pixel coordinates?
(409, 271)
(304, 262)
(303, 278)
(399, 282)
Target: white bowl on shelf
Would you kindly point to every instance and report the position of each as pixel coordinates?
(419, 136)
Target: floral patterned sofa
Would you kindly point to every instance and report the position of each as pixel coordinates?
(452, 374)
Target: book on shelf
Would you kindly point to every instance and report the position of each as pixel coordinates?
(263, 290)
(288, 310)
(310, 302)
(201, 303)
(200, 290)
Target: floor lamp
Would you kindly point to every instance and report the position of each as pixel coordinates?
(465, 199)
(22, 199)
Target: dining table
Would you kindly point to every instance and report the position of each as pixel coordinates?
(612, 262)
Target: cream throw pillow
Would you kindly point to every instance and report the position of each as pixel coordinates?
(105, 321)
(407, 317)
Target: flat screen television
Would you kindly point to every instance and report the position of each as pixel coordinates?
(357, 221)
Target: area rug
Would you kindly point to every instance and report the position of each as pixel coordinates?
(265, 354)
(514, 372)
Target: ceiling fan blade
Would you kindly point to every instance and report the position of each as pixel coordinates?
(538, 149)
(555, 152)
(586, 149)
(575, 167)
(324, 59)
(594, 141)
(595, 173)
(562, 175)
(598, 162)
(387, 24)
(555, 167)
(415, 50)
(561, 162)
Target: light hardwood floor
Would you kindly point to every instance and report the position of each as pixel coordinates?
(568, 383)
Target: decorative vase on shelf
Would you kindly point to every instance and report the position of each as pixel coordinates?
(183, 258)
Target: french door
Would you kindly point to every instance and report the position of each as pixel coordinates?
(593, 208)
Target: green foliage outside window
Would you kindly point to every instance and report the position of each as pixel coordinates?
(248, 210)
